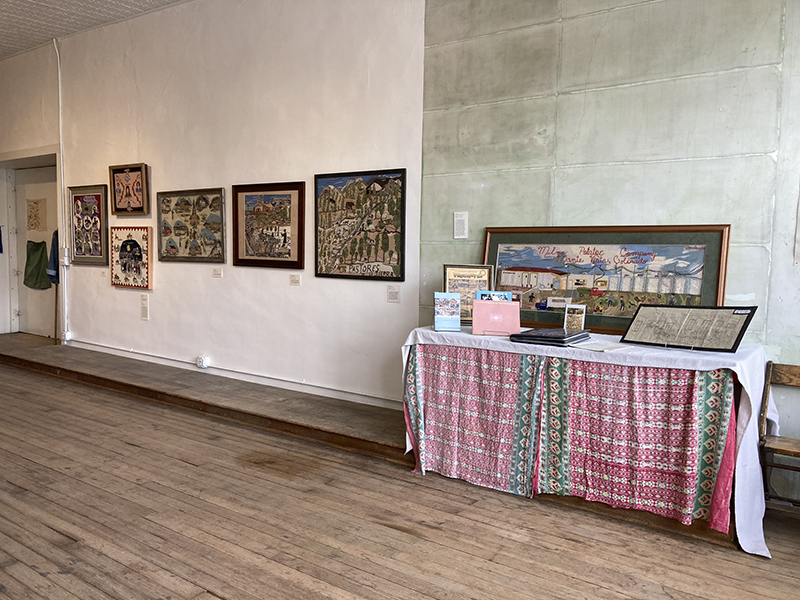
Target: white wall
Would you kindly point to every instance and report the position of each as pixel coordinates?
(213, 93)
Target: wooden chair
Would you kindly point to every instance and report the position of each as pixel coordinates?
(770, 445)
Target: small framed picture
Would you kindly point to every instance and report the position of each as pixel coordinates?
(130, 189)
(574, 316)
(268, 225)
(89, 224)
(467, 280)
(131, 257)
(191, 225)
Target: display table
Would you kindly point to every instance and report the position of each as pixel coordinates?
(644, 428)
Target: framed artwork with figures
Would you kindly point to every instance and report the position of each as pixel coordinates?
(89, 225)
(130, 189)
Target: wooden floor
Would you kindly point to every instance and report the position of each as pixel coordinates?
(105, 496)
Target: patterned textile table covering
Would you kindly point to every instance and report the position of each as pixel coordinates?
(650, 438)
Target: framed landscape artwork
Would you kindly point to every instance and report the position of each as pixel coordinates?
(89, 225)
(130, 189)
(191, 225)
(131, 257)
(268, 222)
(467, 280)
(609, 270)
(360, 225)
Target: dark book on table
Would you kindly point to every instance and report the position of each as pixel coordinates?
(551, 337)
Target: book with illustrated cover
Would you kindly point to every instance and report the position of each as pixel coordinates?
(446, 311)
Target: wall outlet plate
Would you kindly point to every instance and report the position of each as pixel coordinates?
(203, 362)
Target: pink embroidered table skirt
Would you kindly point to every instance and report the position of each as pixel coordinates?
(655, 439)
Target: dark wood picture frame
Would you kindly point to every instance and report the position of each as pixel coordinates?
(196, 215)
(269, 225)
(360, 216)
(88, 224)
(611, 269)
(129, 187)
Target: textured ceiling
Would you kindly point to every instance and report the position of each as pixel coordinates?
(27, 24)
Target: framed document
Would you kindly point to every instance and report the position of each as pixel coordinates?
(467, 280)
(712, 328)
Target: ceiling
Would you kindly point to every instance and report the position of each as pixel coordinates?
(27, 24)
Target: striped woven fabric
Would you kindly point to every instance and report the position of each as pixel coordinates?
(660, 440)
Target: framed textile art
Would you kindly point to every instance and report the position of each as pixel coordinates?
(610, 270)
(131, 257)
(88, 225)
(268, 223)
(191, 225)
(467, 280)
(360, 225)
(130, 189)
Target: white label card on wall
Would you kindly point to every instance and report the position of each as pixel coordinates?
(460, 225)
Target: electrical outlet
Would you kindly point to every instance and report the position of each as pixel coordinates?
(203, 362)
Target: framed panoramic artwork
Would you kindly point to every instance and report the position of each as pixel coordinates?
(130, 189)
(131, 257)
(467, 280)
(268, 223)
(610, 270)
(360, 225)
(191, 225)
(716, 329)
(89, 225)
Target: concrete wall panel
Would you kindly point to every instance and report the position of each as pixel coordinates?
(448, 20)
(574, 8)
(669, 39)
(492, 200)
(496, 136)
(721, 115)
(733, 190)
(433, 257)
(514, 64)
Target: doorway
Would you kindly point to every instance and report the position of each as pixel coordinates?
(36, 220)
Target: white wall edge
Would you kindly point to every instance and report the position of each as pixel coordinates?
(241, 376)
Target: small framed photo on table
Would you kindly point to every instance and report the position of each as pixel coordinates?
(467, 280)
(130, 189)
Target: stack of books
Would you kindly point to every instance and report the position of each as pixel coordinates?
(551, 337)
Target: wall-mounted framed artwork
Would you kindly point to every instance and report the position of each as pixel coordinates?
(131, 257)
(89, 224)
(467, 280)
(130, 189)
(360, 225)
(268, 223)
(191, 225)
(611, 270)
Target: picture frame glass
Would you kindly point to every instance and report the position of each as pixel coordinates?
(610, 270)
(89, 225)
(131, 257)
(191, 225)
(129, 189)
(269, 220)
(467, 280)
(360, 225)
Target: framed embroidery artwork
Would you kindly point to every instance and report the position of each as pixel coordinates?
(89, 225)
(131, 257)
(191, 225)
(130, 189)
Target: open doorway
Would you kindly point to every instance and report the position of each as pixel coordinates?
(36, 220)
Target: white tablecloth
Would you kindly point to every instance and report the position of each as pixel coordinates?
(748, 363)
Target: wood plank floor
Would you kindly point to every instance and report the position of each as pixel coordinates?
(104, 496)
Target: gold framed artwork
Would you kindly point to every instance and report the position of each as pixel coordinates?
(466, 280)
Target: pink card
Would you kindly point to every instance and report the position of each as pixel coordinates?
(495, 317)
